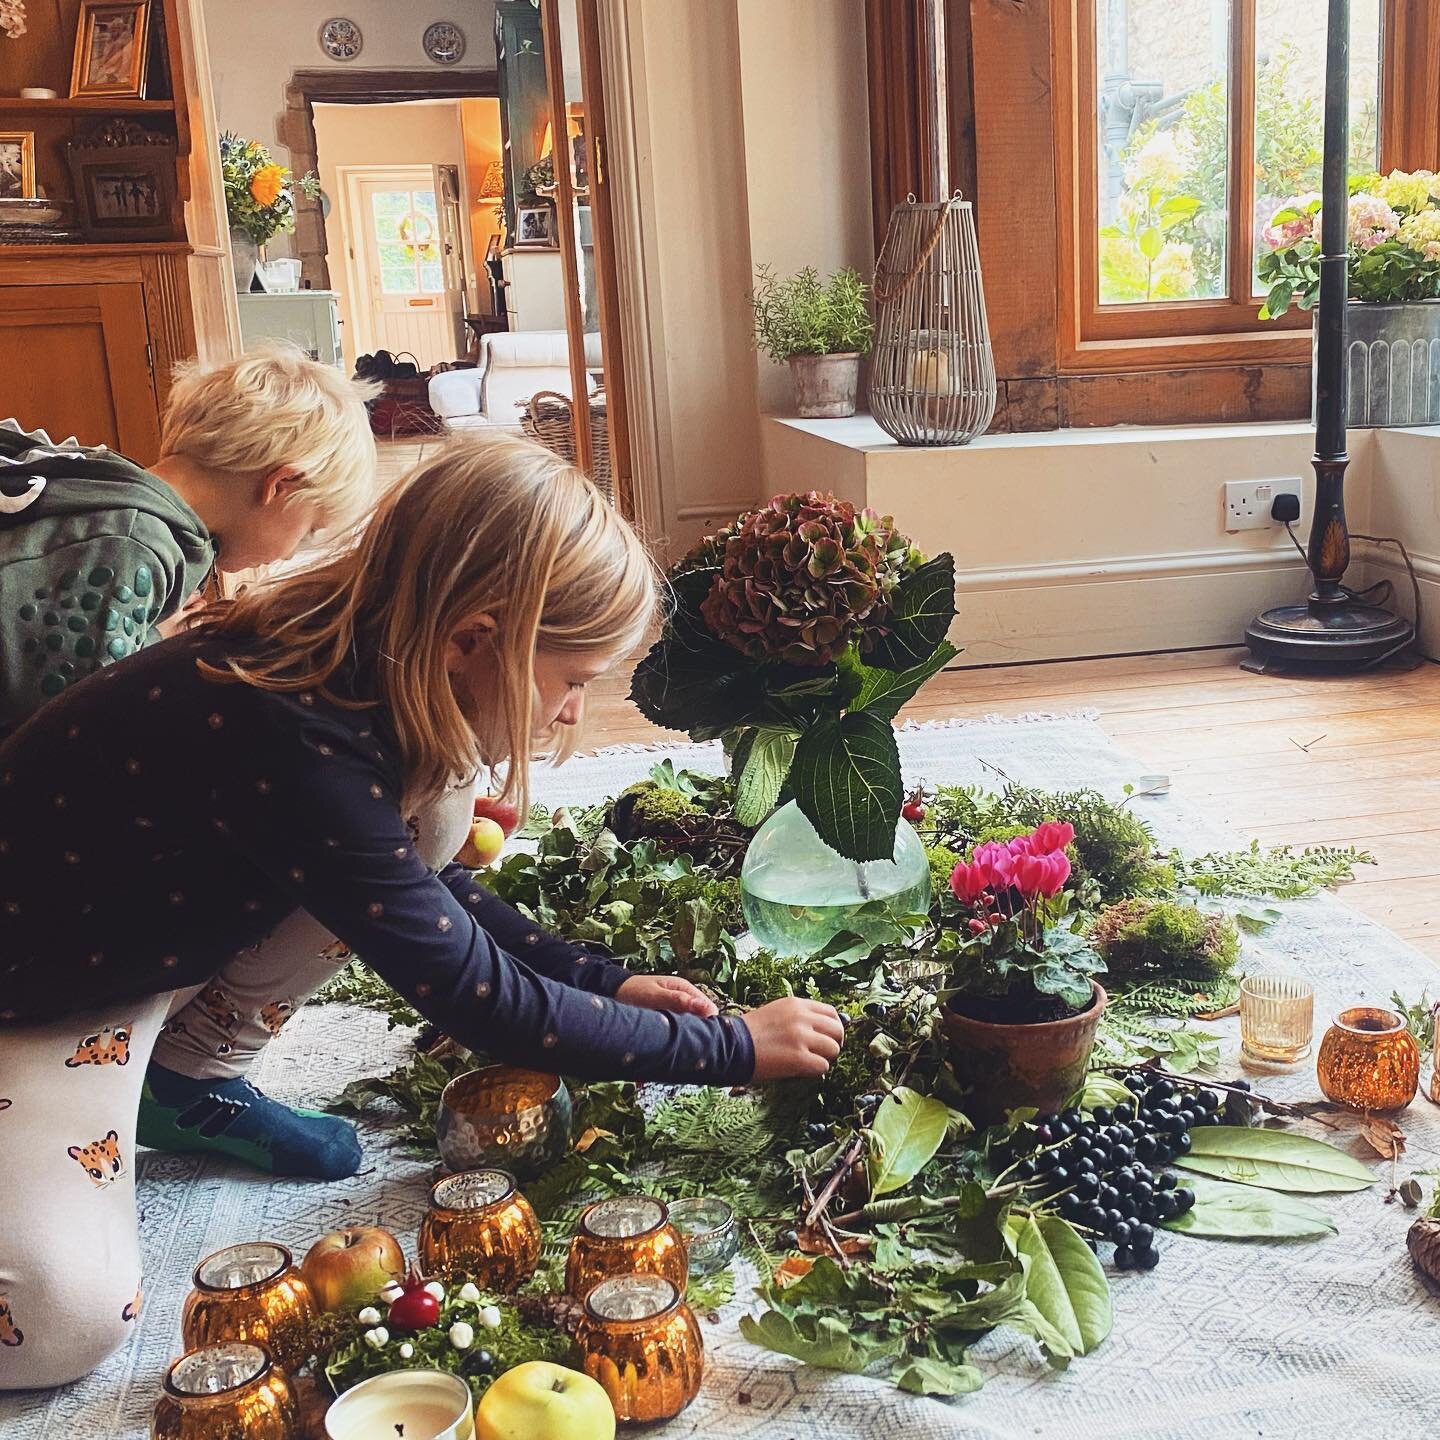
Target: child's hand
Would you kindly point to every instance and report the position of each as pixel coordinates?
(794, 1037)
(666, 992)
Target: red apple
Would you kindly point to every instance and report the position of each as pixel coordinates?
(503, 812)
(483, 847)
(348, 1268)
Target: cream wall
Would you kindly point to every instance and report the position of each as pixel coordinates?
(415, 133)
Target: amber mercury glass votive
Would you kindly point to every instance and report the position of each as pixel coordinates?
(226, 1392)
(1277, 1018)
(639, 1339)
(503, 1115)
(251, 1292)
(480, 1227)
(627, 1235)
(1369, 1060)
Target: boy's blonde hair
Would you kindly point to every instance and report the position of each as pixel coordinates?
(491, 525)
(275, 406)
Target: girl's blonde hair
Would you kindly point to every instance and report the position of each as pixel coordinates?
(275, 406)
(494, 526)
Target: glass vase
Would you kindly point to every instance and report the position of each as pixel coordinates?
(798, 893)
(1369, 1060)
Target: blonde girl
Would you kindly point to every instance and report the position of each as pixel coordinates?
(267, 766)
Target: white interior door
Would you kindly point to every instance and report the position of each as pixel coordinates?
(409, 291)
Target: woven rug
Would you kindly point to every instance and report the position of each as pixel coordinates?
(1337, 1338)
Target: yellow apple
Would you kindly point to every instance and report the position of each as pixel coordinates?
(541, 1401)
(483, 847)
(348, 1268)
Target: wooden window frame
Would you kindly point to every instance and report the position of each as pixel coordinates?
(1014, 85)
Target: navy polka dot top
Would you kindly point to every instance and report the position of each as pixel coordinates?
(153, 822)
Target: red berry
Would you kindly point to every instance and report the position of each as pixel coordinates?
(913, 811)
(416, 1309)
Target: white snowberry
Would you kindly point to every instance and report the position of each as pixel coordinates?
(377, 1338)
(436, 1289)
(469, 1293)
(392, 1292)
(462, 1336)
(490, 1317)
(406, 1350)
(369, 1316)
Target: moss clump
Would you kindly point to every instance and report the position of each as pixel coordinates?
(654, 809)
(1145, 940)
(943, 861)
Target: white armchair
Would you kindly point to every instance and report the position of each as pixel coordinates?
(513, 367)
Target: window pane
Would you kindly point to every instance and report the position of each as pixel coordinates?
(1163, 145)
(1290, 102)
(389, 208)
(432, 279)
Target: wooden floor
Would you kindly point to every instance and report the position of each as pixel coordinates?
(1288, 760)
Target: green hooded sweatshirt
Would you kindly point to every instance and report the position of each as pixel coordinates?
(94, 553)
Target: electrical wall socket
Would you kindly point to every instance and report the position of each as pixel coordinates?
(1248, 502)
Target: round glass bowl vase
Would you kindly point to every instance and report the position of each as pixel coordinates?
(501, 1115)
(798, 894)
(220, 1392)
(480, 1227)
(1369, 1060)
(625, 1235)
(639, 1339)
(711, 1235)
(251, 1293)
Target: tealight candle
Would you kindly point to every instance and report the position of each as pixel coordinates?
(711, 1235)
(404, 1405)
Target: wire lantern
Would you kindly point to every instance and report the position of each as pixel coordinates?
(932, 376)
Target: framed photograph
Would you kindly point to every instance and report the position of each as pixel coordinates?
(17, 165)
(125, 183)
(535, 226)
(111, 45)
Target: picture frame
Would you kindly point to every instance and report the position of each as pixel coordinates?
(125, 183)
(534, 227)
(112, 45)
(17, 165)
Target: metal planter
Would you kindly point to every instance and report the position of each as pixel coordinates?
(1392, 355)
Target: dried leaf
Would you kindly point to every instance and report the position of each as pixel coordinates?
(811, 1239)
(590, 1136)
(793, 1269)
(1385, 1137)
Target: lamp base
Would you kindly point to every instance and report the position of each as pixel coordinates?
(1325, 637)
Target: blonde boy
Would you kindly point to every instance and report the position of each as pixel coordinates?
(256, 457)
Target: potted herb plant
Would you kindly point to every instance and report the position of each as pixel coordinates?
(820, 328)
(797, 634)
(1022, 1001)
(1394, 286)
(259, 201)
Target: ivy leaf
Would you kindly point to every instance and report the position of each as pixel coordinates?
(846, 778)
(1242, 1212)
(767, 763)
(882, 692)
(819, 1340)
(923, 1375)
(922, 607)
(907, 1131)
(1066, 1283)
(1273, 1160)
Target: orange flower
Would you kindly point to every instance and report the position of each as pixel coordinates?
(266, 184)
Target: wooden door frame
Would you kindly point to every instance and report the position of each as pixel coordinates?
(296, 130)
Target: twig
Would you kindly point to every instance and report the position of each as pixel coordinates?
(1270, 1107)
(841, 1169)
(1306, 747)
(826, 1229)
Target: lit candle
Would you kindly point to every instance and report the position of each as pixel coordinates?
(930, 372)
(404, 1405)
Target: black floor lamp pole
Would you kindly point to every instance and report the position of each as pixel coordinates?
(1331, 631)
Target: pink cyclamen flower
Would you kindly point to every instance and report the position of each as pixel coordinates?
(997, 863)
(976, 927)
(968, 882)
(1021, 845)
(1052, 835)
(1041, 874)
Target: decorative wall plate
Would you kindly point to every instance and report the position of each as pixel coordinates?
(444, 42)
(341, 39)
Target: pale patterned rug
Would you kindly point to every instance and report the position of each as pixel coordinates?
(1337, 1338)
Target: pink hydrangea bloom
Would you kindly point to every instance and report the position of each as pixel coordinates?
(1281, 235)
(1372, 221)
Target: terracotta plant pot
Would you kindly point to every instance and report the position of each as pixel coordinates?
(1005, 1067)
(825, 385)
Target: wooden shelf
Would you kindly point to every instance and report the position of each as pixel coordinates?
(89, 251)
(86, 105)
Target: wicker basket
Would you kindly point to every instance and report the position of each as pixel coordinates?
(549, 417)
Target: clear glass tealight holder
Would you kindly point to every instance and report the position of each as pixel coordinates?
(1277, 1018)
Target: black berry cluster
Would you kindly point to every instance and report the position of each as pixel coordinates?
(1103, 1173)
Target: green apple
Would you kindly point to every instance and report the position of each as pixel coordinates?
(347, 1269)
(541, 1401)
(483, 847)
